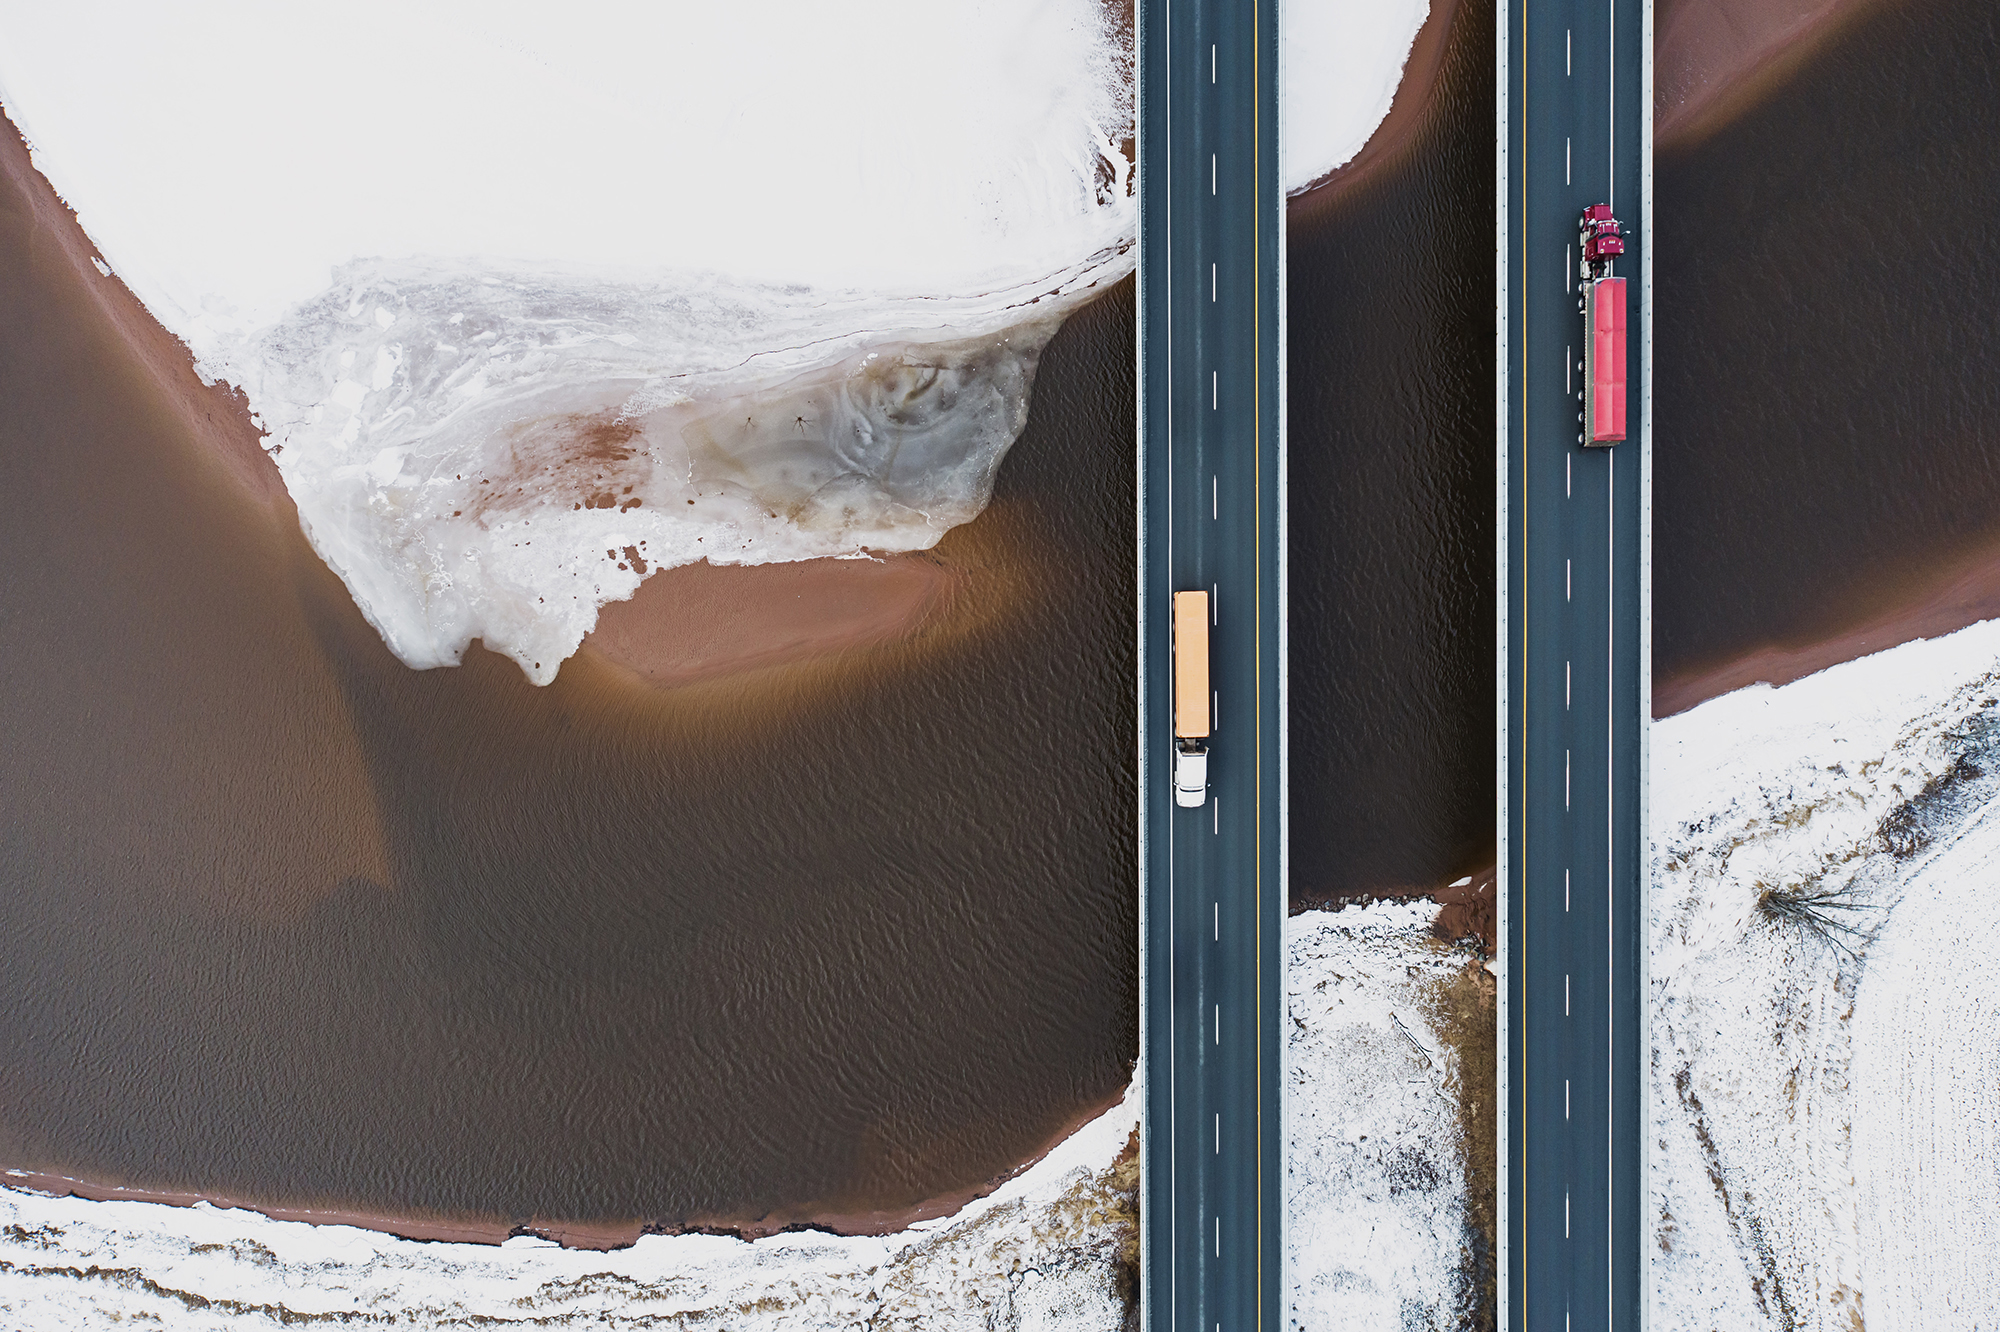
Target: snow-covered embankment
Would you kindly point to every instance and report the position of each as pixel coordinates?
(1825, 1091)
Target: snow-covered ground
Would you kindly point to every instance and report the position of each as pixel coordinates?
(1050, 1250)
(1339, 63)
(1825, 1112)
(1377, 1229)
(1375, 1196)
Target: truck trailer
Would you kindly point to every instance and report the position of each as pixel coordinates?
(1191, 699)
(1602, 303)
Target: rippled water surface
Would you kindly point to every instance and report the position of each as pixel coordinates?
(289, 921)
(1391, 541)
(1826, 292)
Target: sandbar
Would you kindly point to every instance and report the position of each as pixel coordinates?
(1714, 59)
(701, 620)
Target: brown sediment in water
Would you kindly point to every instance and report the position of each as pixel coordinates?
(1409, 110)
(1714, 59)
(701, 620)
(1963, 592)
(597, 1235)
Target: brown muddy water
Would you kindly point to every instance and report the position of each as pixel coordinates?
(1391, 434)
(1828, 336)
(287, 921)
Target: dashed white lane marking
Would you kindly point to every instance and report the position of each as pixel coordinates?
(1218, 1133)
(1565, 995)
(1565, 1099)
(1214, 392)
(1211, 62)
(1214, 493)
(1569, 583)
(1566, 682)
(1211, 284)
(1211, 173)
(1218, 1013)
(1565, 163)
(1568, 68)
(1565, 890)
(1565, 779)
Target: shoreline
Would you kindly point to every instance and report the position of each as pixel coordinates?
(684, 625)
(599, 1236)
(216, 413)
(1963, 593)
(1715, 59)
(1466, 906)
(1410, 111)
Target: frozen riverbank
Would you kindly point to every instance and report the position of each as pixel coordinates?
(1823, 1022)
(1384, 1049)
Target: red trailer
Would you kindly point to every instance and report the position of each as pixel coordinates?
(1603, 361)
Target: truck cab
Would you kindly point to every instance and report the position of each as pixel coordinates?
(1191, 699)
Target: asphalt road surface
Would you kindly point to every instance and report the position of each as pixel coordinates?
(1574, 714)
(1210, 469)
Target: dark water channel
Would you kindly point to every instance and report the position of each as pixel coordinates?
(1828, 340)
(1391, 505)
(288, 921)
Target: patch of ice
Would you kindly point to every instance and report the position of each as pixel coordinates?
(496, 454)
(1339, 64)
(1824, 1141)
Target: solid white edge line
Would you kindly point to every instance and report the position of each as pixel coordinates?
(1142, 1072)
(1280, 906)
(1502, 949)
(1645, 977)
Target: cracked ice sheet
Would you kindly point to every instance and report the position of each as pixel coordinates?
(1823, 1120)
(1375, 1216)
(1037, 1254)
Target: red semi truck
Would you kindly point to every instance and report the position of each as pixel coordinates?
(1602, 304)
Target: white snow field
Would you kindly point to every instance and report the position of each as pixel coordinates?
(1824, 1106)
(1377, 1232)
(1339, 63)
(1375, 1214)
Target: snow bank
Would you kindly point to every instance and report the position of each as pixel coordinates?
(1376, 1225)
(1822, 1082)
(551, 249)
(1044, 1252)
(1339, 63)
